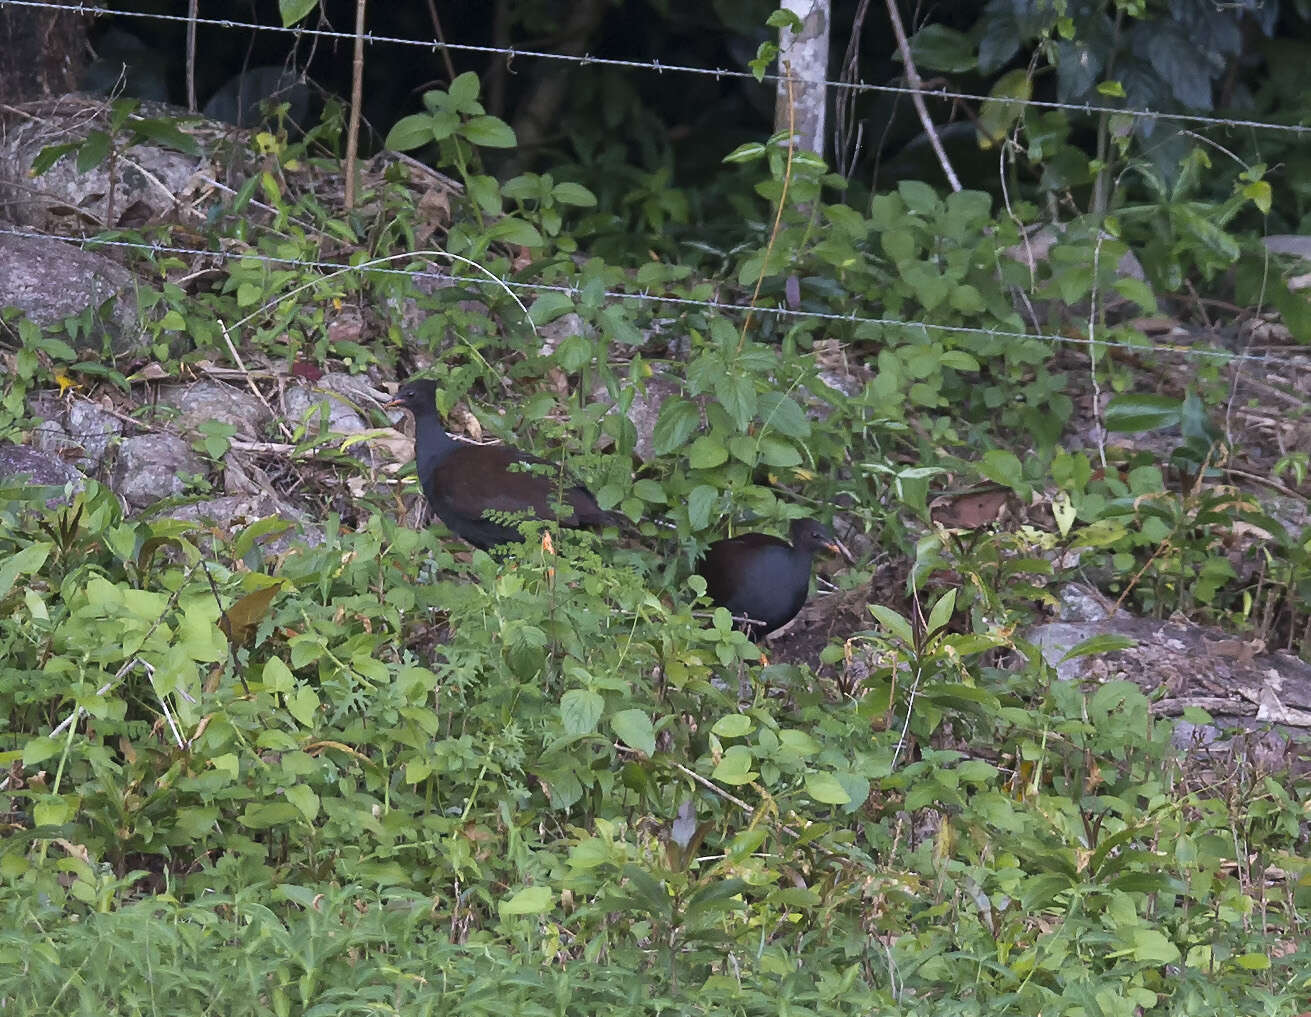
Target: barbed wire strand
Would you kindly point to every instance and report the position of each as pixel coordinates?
(659, 67)
(646, 297)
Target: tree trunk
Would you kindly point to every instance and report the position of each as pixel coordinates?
(42, 52)
(803, 58)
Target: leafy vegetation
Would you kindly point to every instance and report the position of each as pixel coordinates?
(372, 774)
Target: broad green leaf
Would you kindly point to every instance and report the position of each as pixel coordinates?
(893, 622)
(464, 92)
(783, 414)
(567, 193)
(490, 132)
(942, 611)
(292, 11)
(733, 725)
(650, 491)
(515, 231)
(549, 306)
(277, 676)
(779, 452)
(678, 419)
(1152, 947)
(302, 704)
(580, 711)
(706, 453)
(699, 505)
(1004, 467)
(531, 900)
(824, 787)
(996, 117)
(1142, 412)
(940, 48)
(26, 562)
(305, 800)
(409, 132)
(39, 749)
(735, 767)
(635, 729)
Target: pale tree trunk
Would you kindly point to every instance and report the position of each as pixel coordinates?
(803, 57)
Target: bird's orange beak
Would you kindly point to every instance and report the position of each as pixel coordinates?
(840, 549)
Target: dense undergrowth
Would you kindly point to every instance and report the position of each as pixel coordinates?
(370, 776)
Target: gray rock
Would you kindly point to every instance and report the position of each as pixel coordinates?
(152, 466)
(145, 183)
(50, 281)
(644, 410)
(38, 468)
(305, 404)
(235, 512)
(92, 428)
(205, 401)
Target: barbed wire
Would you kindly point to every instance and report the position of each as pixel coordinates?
(574, 292)
(510, 53)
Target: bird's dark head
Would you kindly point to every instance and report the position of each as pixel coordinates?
(418, 395)
(811, 536)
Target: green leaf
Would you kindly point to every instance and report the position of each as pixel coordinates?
(166, 134)
(50, 155)
(39, 749)
(735, 766)
(568, 193)
(302, 704)
(26, 562)
(635, 729)
(749, 152)
(997, 117)
(413, 131)
(574, 353)
(1104, 643)
(92, 151)
(678, 419)
(580, 711)
(706, 453)
(1142, 412)
(778, 452)
(650, 491)
(700, 503)
(486, 193)
(549, 306)
(942, 49)
(737, 394)
(824, 788)
(733, 725)
(942, 611)
(782, 413)
(489, 132)
(1003, 467)
(464, 93)
(893, 622)
(959, 360)
(1152, 947)
(305, 800)
(292, 11)
(515, 231)
(531, 900)
(277, 676)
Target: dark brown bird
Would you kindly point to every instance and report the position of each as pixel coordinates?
(764, 578)
(464, 482)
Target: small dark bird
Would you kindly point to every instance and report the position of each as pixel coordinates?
(764, 578)
(463, 482)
